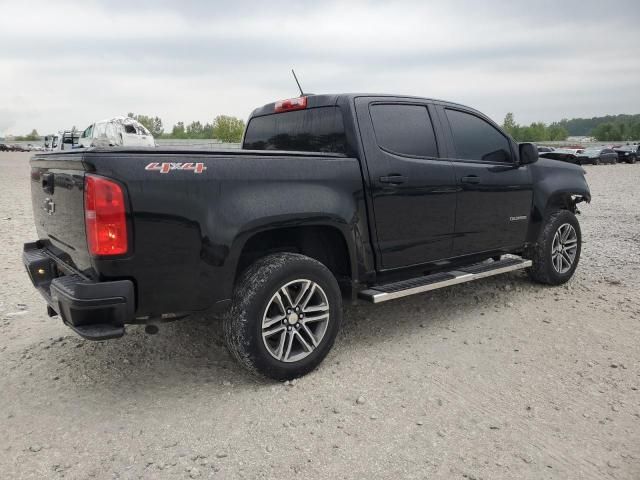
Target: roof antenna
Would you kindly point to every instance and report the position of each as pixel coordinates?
(296, 79)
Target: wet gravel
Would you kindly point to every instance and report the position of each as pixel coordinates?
(496, 379)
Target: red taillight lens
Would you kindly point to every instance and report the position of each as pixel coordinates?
(104, 216)
(299, 103)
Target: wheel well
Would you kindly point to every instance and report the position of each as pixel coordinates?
(322, 243)
(563, 201)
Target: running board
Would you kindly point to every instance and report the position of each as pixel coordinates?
(404, 288)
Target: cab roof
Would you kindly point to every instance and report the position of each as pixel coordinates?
(326, 100)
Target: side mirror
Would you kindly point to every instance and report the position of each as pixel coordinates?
(528, 153)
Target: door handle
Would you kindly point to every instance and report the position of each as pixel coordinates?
(472, 179)
(394, 179)
(47, 183)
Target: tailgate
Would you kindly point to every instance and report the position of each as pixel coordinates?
(57, 194)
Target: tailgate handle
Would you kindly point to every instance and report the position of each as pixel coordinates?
(47, 182)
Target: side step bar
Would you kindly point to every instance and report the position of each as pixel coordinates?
(404, 288)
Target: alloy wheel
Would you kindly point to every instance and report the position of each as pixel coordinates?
(295, 320)
(564, 248)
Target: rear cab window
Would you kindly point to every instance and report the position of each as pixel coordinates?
(319, 129)
(404, 129)
(476, 139)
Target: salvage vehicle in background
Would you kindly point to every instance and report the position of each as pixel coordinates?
(117, 132)
(356, 196)
(63, 140)
(628, 153)
(596, 156)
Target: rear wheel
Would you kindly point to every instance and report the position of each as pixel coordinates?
(286, 313)
(557, 252)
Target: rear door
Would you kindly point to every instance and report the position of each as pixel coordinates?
(412, 189)
(494, 193)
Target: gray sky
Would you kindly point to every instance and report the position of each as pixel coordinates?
(70, 63)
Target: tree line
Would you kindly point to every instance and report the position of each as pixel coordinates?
(617, 131)
(589, 126)
(225, 128)
(536, 132)
(30, 137)
(611, 128)
(229, 129)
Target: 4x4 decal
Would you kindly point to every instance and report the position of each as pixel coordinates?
(168, 167)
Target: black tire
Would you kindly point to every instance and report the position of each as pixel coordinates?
(253, 297)
(543, 270)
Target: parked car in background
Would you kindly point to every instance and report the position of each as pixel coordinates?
(3, 147)
(597, 155)
(564, 155)
(543, 149)
(573, 150)
(116, 132)
(628, 153)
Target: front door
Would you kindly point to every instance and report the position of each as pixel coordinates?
(494, 193)
(412, 189)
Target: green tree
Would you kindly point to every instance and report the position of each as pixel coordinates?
(195, 130)
(33, 136)
(228, 129)
(178, 131)
(557, 132)
(536, 132)
(510, 125)
(153, 124)
(607, 132)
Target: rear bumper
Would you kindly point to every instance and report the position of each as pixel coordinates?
(94, 310)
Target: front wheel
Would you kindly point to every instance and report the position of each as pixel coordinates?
(286, 313)
(557, 252)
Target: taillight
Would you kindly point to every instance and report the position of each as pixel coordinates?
(299, 103)
(104, 216)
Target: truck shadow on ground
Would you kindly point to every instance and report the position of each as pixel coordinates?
(191, 351)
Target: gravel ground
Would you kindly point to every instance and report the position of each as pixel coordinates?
(495, 379)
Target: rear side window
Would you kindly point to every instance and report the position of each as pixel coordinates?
(475, 139)
(404, 129)
(311, 130)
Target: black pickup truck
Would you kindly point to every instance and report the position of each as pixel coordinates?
(331, 197)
